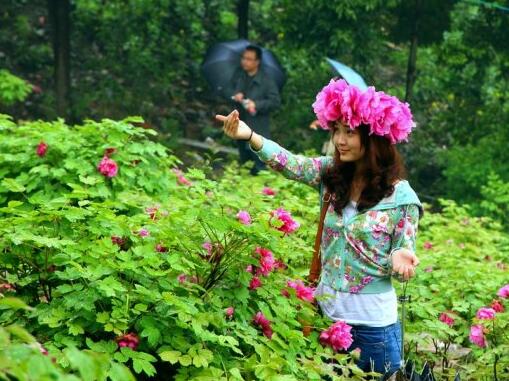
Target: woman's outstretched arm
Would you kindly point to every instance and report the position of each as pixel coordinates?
(295, 167)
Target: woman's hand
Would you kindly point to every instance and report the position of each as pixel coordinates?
(234, 127)
(404, 263)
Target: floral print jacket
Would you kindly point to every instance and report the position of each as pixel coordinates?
(355, 253)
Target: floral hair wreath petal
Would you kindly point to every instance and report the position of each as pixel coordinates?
(385, 115)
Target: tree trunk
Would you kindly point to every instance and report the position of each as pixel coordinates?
(411, 73)
(59, 17)
(243, 18)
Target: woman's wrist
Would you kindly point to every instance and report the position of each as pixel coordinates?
(250, 136)
(256, 142)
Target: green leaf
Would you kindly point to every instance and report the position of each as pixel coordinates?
(119, 372)
(13, 303)
(170, 356)
(185, 360)
(12, 185)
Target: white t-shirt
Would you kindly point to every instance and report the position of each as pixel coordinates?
(374, 310)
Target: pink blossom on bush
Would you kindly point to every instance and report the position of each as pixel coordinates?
(244, 217)
(497, 306)
(130, 340)
(41, 149)
(504, 292)
(7, 287)
(207, 246)
(249, 268)
(143, 232)
(267, 261)
(117, 240)
(108, 167)
(152, 211)
(302, 292)
(280, 265)
(255, 283)
(261, 321)
(181, 179)
(229, 312)
(289, 225)
(485, 313)
(477, 335)
(268, 191)
(447, 319)
(161, 249)
(182, 278)
(428, 245)
(109, 151)
(337, 336)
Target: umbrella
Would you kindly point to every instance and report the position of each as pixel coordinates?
(223, 59)
(348, 74)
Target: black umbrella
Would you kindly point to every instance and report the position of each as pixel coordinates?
(223, 59)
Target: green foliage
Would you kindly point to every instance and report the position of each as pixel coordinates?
(23, 358)
(463, 264)
(12, 88)
(58, 215)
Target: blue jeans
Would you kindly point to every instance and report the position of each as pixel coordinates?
(380, 348)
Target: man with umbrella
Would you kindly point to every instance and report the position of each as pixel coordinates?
(254, 95)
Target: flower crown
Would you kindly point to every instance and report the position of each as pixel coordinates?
(386, 115)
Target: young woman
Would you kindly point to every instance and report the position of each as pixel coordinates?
(371, 222)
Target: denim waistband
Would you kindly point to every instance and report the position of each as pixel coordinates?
(369, 328)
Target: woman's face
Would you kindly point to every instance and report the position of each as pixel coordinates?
(347, 143)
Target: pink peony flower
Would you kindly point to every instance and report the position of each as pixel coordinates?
(497, 306)
(41, 149)
(386, 115)
(268, 191)
(108, 167)
(117, 240)
(152, 211)
(337, 336)
(267, 261)
(161, 249)
(109, 151)
(445, 318)
(7, 287)
(289, 225)
(302, 292)
(428, 245)
(129, 340)
(244, 217)
(182, 278)
(477, 335)
(485, 313)
(280, 265)
(249, 268)
(504, 292)
(43, 350)
(255, 283)
(261, 321)
(207, 246)
(229, 312)
(181, 179)
(143, 232)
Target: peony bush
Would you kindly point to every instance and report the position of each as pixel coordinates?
(180, 274)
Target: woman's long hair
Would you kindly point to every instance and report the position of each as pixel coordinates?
(382, 167)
